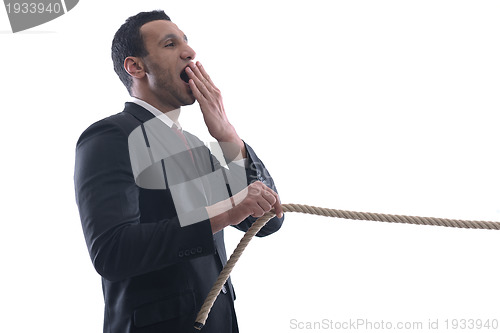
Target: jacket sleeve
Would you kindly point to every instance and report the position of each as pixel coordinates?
(257, 171)
(108, 200)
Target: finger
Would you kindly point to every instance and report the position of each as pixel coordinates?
(257, 211)
(268, 194)
(254, 190)
(205, 74)
(204, 80)
(196, 92)
(199, 85)
(265, 205)
(276, 203)
(278, 209)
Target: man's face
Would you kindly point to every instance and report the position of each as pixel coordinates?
(168, 56)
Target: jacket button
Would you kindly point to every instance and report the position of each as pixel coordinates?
(181, 254)
(187, 253)
(224, 290)
(199, 249)
(193, 251)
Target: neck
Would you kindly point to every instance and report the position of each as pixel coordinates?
(147, 95)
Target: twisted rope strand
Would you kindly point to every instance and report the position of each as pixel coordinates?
(224, 274)
(344, 214)
(352, 215)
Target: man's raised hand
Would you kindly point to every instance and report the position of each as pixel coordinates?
(210, 99)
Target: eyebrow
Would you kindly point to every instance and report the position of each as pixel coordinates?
(171, 36)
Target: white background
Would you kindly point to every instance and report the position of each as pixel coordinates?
(381, 106)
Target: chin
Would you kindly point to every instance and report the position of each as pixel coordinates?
(188, 97)
(187, 102)
(190, 100)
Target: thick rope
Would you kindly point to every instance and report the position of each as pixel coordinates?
(345, 214)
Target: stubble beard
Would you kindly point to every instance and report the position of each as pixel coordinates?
(171, 90)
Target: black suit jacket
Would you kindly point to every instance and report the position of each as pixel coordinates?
(155, 273)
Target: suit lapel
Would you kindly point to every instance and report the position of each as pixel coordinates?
(138, 112)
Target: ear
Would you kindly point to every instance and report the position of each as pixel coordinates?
(135, 67)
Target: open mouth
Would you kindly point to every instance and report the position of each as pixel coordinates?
(184, 76)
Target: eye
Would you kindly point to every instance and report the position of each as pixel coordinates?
(171, 44)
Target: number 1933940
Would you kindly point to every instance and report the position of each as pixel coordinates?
(33, 8)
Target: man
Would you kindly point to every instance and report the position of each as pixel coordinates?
(151, 209)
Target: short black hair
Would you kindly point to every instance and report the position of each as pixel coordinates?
(128, 42)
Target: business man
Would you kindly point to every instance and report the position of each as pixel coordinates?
(151, 204)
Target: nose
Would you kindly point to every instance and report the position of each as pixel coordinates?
(188, 53)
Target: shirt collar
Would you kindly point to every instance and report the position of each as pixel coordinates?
(157, 113)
